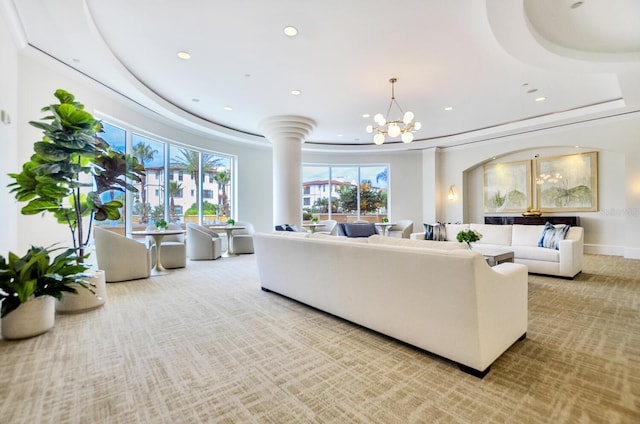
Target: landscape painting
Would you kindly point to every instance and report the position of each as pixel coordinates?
(567, 183)
(507, 187)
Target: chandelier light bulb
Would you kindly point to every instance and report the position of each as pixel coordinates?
(394, 130)
(379, 119)
(408, 117)
(369, 128)
(407, 137)
(417, 125)
(378, 138)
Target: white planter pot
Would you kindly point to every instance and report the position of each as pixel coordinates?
(84, 300)
(34, 317)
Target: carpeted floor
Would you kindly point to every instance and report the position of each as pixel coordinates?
(206, 345)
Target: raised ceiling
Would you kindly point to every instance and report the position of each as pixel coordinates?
(487, 60)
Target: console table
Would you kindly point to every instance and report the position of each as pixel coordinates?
(574, 221)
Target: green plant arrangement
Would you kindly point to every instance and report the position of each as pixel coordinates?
(231, 221)
(314, 220)
(35, 274)
(71, 169)
(161, 224)
(468, 236)
(385, 219)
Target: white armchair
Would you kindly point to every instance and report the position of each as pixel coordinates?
(174, 250)
(402, 229)
(120, 257)
(243, 239)
(330, 227)
(202, 243)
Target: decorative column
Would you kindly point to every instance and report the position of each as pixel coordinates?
(286, 134)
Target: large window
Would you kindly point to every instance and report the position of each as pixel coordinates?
(345, 193)
(174, 187)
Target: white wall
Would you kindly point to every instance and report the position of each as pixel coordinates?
(8, 136)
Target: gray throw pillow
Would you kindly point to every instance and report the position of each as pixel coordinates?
(360, 230)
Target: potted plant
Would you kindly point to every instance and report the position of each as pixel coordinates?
(231, 221)
(385, 219)
(468, 236)
(28, 286)
(70, 170)
(314, 220)
(161, 224)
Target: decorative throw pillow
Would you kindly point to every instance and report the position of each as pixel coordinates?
(360, 230)
(434, 232)
(552, 235)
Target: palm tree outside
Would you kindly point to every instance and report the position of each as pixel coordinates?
(175, 189)
(189, 164)
(143, 151)
(223, 178)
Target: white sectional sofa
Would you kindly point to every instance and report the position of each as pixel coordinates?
(445, 300)
(523, 240)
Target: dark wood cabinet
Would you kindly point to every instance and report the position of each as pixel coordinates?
(574, 221)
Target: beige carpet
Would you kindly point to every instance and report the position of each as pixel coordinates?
(206, 345)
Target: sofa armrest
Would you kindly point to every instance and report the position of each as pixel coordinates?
(571, 252)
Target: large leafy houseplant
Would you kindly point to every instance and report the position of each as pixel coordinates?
(71, 169)
(35, 274)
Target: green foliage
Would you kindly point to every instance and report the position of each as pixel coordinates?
(370, 200)
(468, 236)
(34, 274)
(208, 208)
(52, 180)
(162, 224)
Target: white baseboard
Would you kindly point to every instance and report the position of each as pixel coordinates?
(601, 249)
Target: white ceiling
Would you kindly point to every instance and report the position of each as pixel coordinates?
(480, 57)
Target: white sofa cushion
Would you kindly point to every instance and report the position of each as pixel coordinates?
(526, 235)
(452, 230)
(536, 253)
(493, 234)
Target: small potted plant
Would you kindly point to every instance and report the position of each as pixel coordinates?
(29, 285)
(161, 224)
(314, 220)
(385, 220)
(231, 221)
(468, 236)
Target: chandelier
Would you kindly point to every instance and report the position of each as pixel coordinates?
(404, 127)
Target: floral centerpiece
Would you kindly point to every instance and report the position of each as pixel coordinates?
(314, 220)
(385, 219)
(231, 221)
(161, 224)
(468, 236)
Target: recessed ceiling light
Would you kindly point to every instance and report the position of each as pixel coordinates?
(195, 100)
(448, 108)
(366, 115)
(290, 31)
(296, 92)
(339, 135)
(184, 55)
(540, 99)
(577, 4)
(533, 90)
(227, 108)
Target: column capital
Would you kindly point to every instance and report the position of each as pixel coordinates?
(277, 128)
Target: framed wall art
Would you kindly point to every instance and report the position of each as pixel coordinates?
(567, 183)
(507, 187)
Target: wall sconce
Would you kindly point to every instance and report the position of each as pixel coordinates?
(452, 194)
